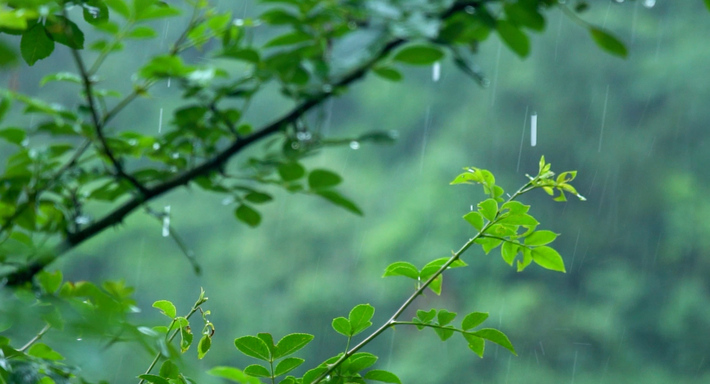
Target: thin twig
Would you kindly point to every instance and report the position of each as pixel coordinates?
(36, 338)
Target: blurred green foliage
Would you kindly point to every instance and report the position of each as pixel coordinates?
(635, 297)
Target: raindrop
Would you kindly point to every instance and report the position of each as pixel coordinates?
(354, 144)
(173, 169)
(649, 3)
(303, 136)
(327, 88)
(94, 12)
(238, 22)
(78, 339)
(533, 129)
(156, 146)
(295, 145)
(436, 71)
(132, 142)
(33, 153)
(25, 141)
(166, 221)
(169, 78)
(82, 220)
(470, 9)
(227, 200)
(160, 120)
(175, 155)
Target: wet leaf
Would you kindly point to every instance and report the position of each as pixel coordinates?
(419, 55)
(608, 42)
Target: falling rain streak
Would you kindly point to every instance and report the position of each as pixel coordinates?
(166, 221)
(160, 120)
(522, 139)
(601, 132)
(436, 71)
(533, 129)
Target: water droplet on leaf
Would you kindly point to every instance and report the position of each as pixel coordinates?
(354, 144)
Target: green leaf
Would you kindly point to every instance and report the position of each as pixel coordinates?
(527, 259)
(436, 284)
(43, 351)
(268, 340)
(431, 267)
(233, 374)
(524, 15)
(707, 4)
(169, 370)
(289, 39)
(548, 258)
(166, 307)
(50, 281)
(515, 207)
(474, 218)
(388, 73)
(185, 337)
(203, 346)
(419, 55)
(36, 44)
(287, 365)
(540, 238)
(119, 6)
(497, 337)
(95, 12)
(426, 316)
(245, 54)
(248, 215)
(360, 317)
(608, 42)
(473, 320)
(508, 251)
(445, 317)
(338, 199)
(257, 371)
(383, 376)
(155, 379)
(513, 37)
(402, 268)
(322, 179)
(65, 32)
(359, 361)
(489, 244)
(5, 103)
(291, 171)
(254, 347)
(291, 343)
(489, 209)
(444, 334)
(142, 32)
(342, 326)
(61, 76)
(475, 343)
(258, 197)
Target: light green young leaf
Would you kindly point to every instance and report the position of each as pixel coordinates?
(203, 346)
(169, 370)
(527, 259)
(419, 55)
(488, 243)
(120, 7)
(548, 258)
(185, 338)
(43, 351)
(342, 326)
(233, 374)
(166, 307)
(488, 208)
(444, 334)
(291, 343)
(360, 361)
(497, 337)
(436, 284)
(360, 317)
(475, 343)
(472, 176)
(268, 340)
(508, 251)
(254, 347)
(445, 317)
(515, 207)
(608, 42)
(474, 218)
(540, 238)
(383, 376)
(257, 370)
(61, 76)
(155, 379)
(402, 268)
(287, 365)
(473, 320)
(50, 281)
(426, 316)
(431, 267)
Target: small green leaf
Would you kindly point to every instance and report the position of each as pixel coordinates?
(268, 340)
(508, 251)
(437, 284)
(203, 346)
(5, 103)
(360, 317)
(169, 370)
(497, 337)
(185, 338)
(444, 333)
(342, 326)
(322, 179)
(50, 281)
(289, 39)
(61, 76)
(383, 376)
(142, 32)
(707, 4)
(402, 268)
(475, 343)
(359, 361)
(233, 374)
(119, 6)
(65, 32)
(540, 238)
(287, 365)
(474, 218)
(166, 307)
(488, 243)
(291, 343)
(527, 259)
(489, 209)
(291, 171)
(426, 316)
(608, 42)
(473, 320)
(514, 38)
(257, 371)
(258, 197)
(548, 258)
(254, 347)
(43, 351)
(445, 317)
(248, 215)
(419, 55)
(338, 199)
(155, 379)
(431, 267)
(388, 73)
(36, 44)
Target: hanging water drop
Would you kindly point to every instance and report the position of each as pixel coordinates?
(160, 120)
(166, 221)
(169, 82)
(156, 146)
(436, 71)
(354, 144)
(649, 3)
(533, 129)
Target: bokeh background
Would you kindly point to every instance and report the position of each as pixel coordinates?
(634, 306)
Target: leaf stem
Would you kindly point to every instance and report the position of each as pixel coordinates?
(35, 338)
